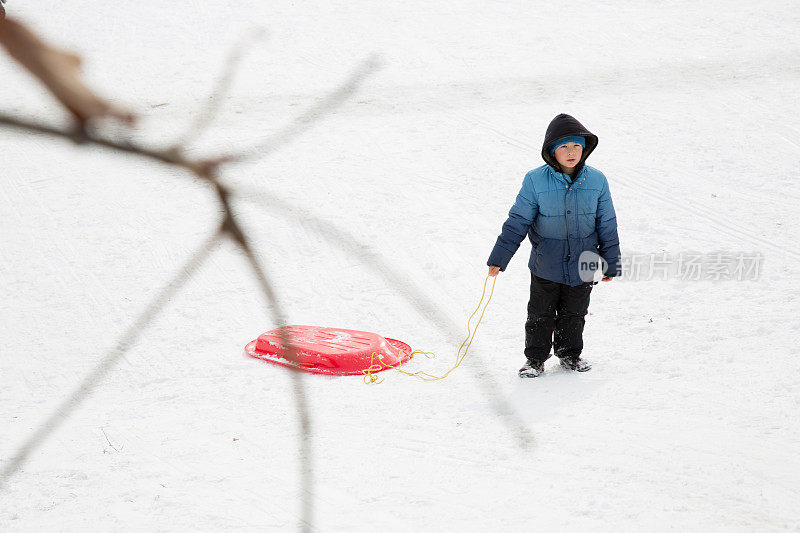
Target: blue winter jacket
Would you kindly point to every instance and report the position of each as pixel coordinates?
(562, 218)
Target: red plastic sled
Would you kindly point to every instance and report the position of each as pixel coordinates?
(334, 351)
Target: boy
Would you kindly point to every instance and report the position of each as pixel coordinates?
(565, 208)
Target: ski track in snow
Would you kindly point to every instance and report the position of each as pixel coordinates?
(652, 190)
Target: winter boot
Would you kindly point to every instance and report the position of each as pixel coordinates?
(575, 363)
(531, 370)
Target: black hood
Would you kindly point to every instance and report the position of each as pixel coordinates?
(566, 126)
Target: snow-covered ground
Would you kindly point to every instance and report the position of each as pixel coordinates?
(689, 419)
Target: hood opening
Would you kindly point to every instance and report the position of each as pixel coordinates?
(563, 126)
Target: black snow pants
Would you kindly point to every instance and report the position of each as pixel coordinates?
(555, 308)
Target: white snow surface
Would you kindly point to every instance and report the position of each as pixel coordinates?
(689, 418)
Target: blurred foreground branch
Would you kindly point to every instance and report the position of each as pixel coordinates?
(128, 339)
(59, 72)
(204, 118)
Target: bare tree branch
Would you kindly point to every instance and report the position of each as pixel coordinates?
(306, 464)
(315, 113)
(68, 405)
(205, 117)
(199, 167)
(59, 71)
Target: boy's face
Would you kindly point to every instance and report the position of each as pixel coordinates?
(568, 154)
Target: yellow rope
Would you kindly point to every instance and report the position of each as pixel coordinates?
(370, 377)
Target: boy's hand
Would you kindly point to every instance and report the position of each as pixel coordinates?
(608, 278)
(493, 271)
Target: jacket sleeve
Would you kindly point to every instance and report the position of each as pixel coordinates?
(606, 226)
(520, 218)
